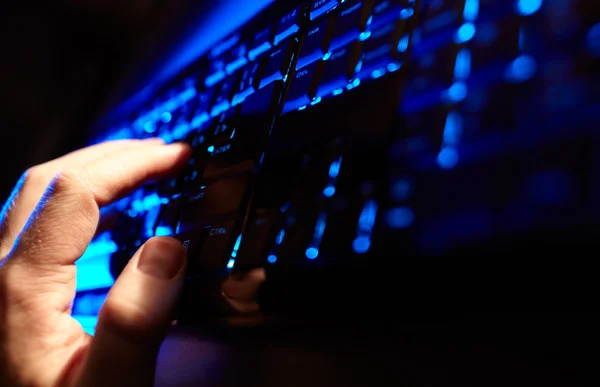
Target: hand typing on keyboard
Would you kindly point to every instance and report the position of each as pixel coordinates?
(40, 343)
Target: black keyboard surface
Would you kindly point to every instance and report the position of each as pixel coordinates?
(338, 138)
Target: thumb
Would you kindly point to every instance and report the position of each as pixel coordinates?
(135, 317)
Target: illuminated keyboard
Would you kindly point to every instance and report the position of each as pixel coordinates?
(346, 136)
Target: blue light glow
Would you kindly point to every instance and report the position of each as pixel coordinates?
(280, 237)
(316, 101)
(94, 273)
(453, 129)
(521, 69)
(462, 66)
(338, 91)
(403, 43)
(471, 10)
(327, 56)
(406, 13)
(88, 323)
(378, 73)
(312, 253)
(231, 263)
(393, 67)
(101, 246)
(365, 35)
(166, 117)
(457, 92)
(302, 108)
(149, 127)
(528, 7)
(465, 33)
(401, 217)
(272, 258)
(211, 149)
(593, 40)
(334, 168)
(164, 231)
(329, 191)
(361, 244)
(355, 83)
(447, 158)
(366, 222)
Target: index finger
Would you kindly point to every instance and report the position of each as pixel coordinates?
(65, 219)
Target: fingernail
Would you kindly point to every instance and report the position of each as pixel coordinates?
(161, 258)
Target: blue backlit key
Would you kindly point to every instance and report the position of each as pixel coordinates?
(338, 70)
(236, 58)
(261, 42)
(223, 96)
(289, 24)
(386, 11)
(216, 72)
(201, 111)
(315, 44)
(349, 24)
(320, 7)
(384, 50)
(438, 15)
(249, 81)
(276, 64)
(302, 90)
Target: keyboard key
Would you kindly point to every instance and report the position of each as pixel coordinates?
(261, 42)
(249, 80)
(223, 96)
(218, 200)
(299, 233)
(385, 46)
(387, 11)
(302, 89)
(289, 24)
(168, 219)
(339, 69)
(216, 72)
(217, 247)
(258, 239)
(314, 45)
(276, 64)
(320, 7)
(201, 111)
(236, 58)
(438, 15)
(349, 24)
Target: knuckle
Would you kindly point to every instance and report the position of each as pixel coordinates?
(36, 176)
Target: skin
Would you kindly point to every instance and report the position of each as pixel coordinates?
(44, 228)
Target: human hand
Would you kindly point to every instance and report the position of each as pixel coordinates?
(45, 227)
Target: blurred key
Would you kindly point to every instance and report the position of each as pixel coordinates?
(315, 44)
(320, 7)
(338, 69)
(236, 58)
(168, 219)
(441, 14)
(216, 72)
(386, 11)
(258, 239)
(289, 24)
(249, 81)
(261, 42)
(276, 64)
(385, 46)
(201, 111)
(217, 200)
(349, 24)
(224, 95)
(302, 89)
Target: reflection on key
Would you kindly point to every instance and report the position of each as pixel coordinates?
(385, 46)
(320, 7)
(314, 45)
(338, 69)
(289, 24)
(349, 24)
(261, 42)
(276, 64)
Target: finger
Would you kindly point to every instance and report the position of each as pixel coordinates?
(135, 317)
(65, 220)
(33, 183)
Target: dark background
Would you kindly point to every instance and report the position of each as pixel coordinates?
(63, 63)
